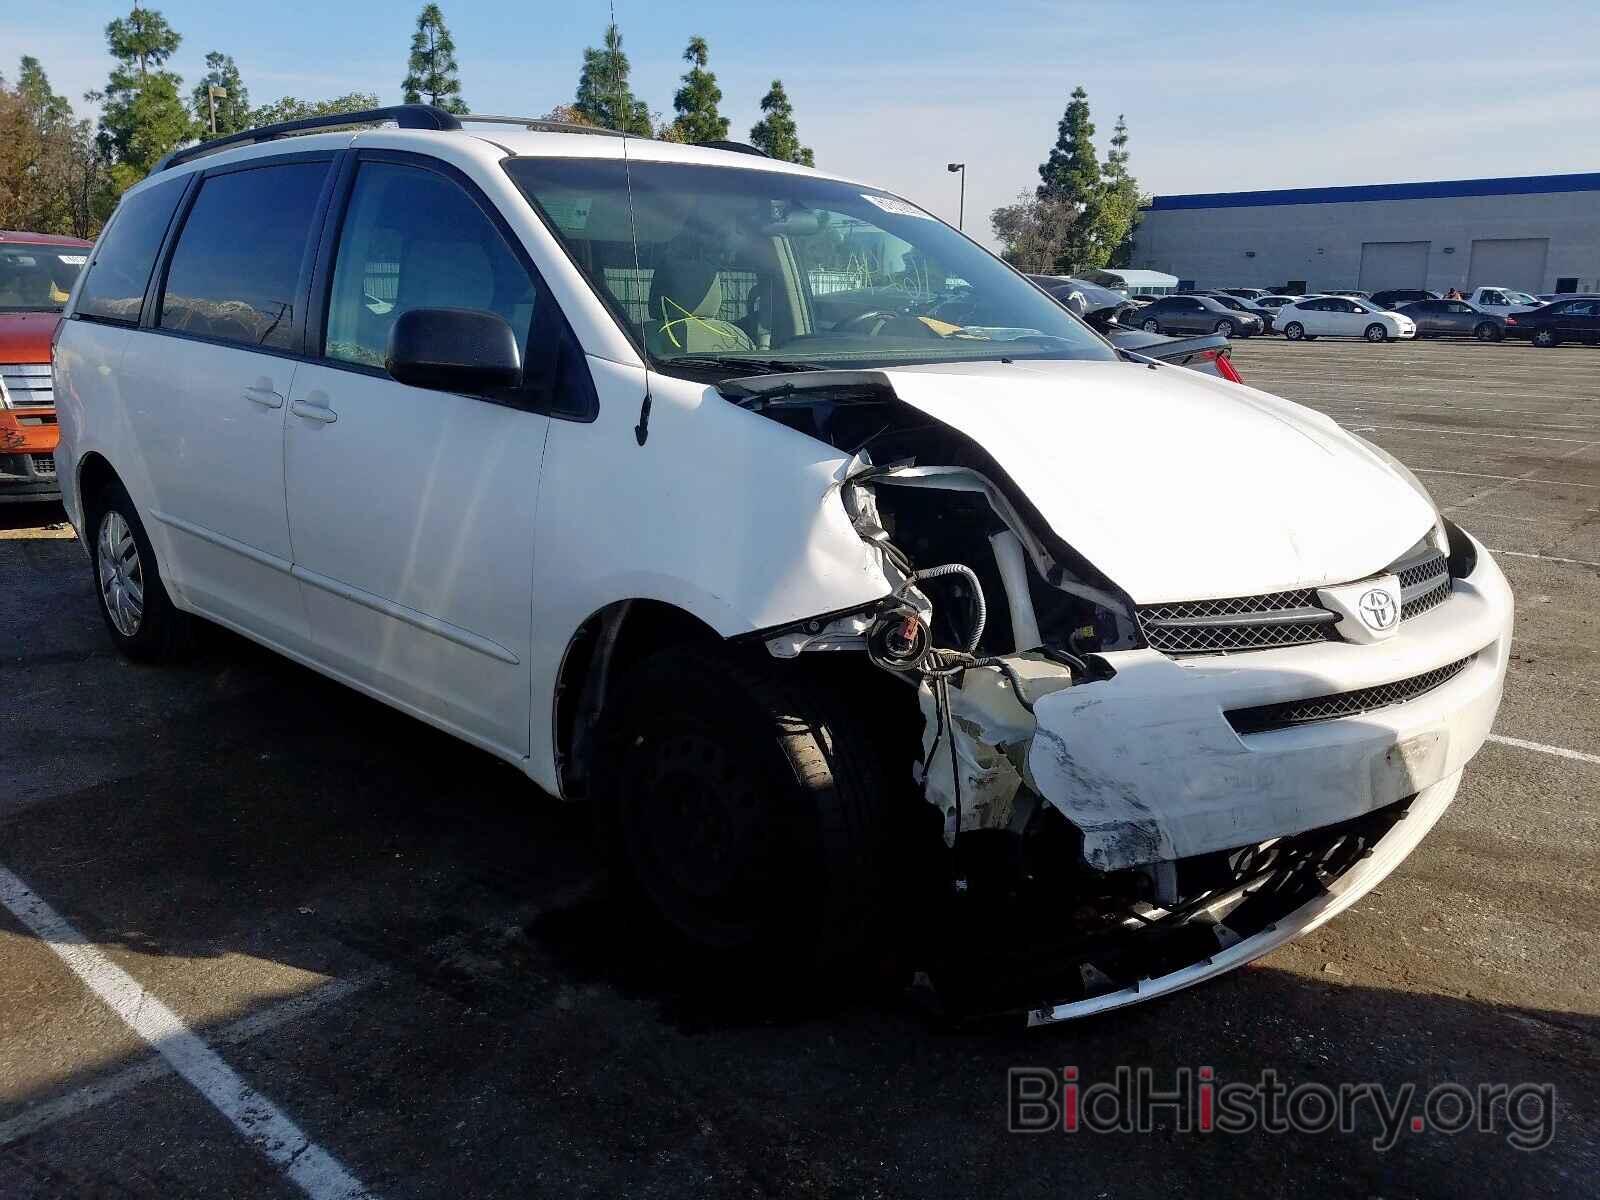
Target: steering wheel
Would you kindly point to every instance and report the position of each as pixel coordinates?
(875, 322)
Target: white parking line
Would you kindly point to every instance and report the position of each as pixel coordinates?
(1519, 437)
(100, 1091)
(1576, 562)
(1558, 751)
(260, 1122)
(1515, 478)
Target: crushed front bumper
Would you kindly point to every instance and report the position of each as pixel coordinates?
(27, 456)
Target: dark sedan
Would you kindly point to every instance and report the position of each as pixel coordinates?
(1196, 314)
(1245, 305)
(1395, 297)
(1563, 321)
(1454, 318)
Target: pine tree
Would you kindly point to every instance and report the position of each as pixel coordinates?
(604, 97)
(696, 102)
(1119, 210)
(775, 132)
(142, 116)
(1072, 174)
(431, 72)
(233, 109)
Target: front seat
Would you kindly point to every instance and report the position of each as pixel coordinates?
(685, 311)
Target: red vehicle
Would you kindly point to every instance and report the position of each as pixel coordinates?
(37, 271)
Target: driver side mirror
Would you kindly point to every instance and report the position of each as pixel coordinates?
(454, 350)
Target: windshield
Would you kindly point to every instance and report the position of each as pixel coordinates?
(37, 278)
(1520, 298)
(777, 268)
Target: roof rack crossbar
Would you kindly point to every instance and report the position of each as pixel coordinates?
(541, 125)
(406, 116)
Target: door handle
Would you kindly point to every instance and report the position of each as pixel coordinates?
(263, 396)
(314, 412)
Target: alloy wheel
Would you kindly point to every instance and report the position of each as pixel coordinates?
(121, 573)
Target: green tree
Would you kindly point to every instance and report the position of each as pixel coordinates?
(292, 108)
(142, 116)
(1072, 174)
(1119, 209)
(45, 106)
(775, 132)
(696, 102)
(604, 97)
(233, 109)
(431, 74)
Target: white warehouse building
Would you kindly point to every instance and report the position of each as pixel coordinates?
(1535, 234)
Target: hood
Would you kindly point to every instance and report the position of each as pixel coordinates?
(25, 337)
(1176, 485)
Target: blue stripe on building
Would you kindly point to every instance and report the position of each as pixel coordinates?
(1525, 185)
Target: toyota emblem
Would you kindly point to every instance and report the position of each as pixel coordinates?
(1378, 609)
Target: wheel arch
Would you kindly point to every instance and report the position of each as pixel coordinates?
(94, 471)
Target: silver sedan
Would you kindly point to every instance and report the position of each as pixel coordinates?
(1455, 318)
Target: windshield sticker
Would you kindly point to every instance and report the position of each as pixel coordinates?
(899, 208)
(73, 260)
(569, 214)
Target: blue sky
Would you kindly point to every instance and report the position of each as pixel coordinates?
(1218, 97)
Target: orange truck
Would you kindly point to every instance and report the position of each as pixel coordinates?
(37, 271)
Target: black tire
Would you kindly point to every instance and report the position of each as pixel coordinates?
(1294, 331)
(1225, 328)
(1545, 336)
(158, 631)
(743, 807)
(1150, 326)
(1488, 331)
(1375, 333)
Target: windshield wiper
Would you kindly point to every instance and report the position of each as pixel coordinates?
(748, 366)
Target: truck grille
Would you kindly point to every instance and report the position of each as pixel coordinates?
(1237, 623)
(44, 464)
(27, 385)
(1342, 704)
(1293, 618)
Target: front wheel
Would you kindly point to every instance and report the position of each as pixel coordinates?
(1376, 333)
(743, 806)
(1545, 337)
(1488, 332)
(1151, 326)
(1225, 328)
(1294, 331)
(140, 616)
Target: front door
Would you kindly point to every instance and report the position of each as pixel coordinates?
(412, 510)
(213, 378)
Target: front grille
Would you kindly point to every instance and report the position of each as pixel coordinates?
(1421, 603)
(1291, 618)
(1342, 704)
(44, 464)
(27, 385)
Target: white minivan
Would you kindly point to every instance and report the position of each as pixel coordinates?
(839, 568)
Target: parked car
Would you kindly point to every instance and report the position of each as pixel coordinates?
(1196, 314)
(1552, 324)
(1502, 300)
(37, 271)
(1082, 297)
(1352, 293)
(1338, 315)
(822, 617)
(1454, 318)
(1272, 303)
(1395, 297)
(1264, 315)
(1245, 293)
(1208, 353)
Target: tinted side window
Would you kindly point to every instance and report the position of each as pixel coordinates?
(236, 270)
(414, 239)
(114, 289)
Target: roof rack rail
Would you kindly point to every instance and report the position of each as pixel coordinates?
(541, 125)
(406, 116)
(735, 147)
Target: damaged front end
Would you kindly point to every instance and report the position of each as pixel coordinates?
(1111, 831)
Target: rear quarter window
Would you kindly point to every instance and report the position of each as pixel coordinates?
(114, 288)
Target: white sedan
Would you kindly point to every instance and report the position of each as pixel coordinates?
(1342, 316)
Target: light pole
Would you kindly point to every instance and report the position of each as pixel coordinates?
(961, 212)
(213, 92)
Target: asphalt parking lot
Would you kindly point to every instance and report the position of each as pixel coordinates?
(409, 953)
